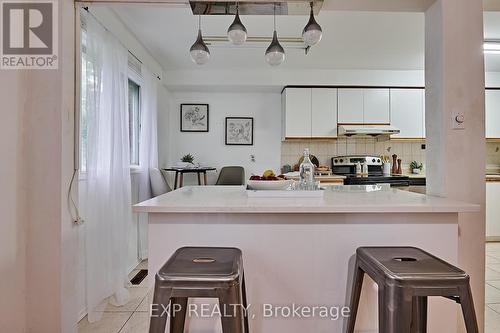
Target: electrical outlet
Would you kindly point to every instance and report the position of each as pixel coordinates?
(458, 120)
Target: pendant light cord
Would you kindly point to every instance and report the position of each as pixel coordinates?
(199, 22)
(274, 16)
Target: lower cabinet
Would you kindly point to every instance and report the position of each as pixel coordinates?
(493, 210)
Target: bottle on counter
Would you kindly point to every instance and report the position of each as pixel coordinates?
(358, 168)
(364, 168)
(306, 171)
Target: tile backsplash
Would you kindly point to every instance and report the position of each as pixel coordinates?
(408, 151)
(493, 156)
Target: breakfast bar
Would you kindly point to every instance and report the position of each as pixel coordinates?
(298, 252)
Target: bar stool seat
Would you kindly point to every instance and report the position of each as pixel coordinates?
(406, 276)
(204, 272)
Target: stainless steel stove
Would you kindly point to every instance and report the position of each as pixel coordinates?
(346, 166)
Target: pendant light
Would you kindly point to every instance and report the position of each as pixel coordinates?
(275, 54)
(237, 33)
(200, 54)
(312, 32)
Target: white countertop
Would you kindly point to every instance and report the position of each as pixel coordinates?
(233, 199)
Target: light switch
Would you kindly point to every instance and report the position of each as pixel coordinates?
(458, 120)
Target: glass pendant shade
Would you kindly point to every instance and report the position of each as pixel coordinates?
(275, 54)
(200, 54)
(237, 33)
(312, 32)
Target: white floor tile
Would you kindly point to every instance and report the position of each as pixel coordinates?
(137, 294)
(495, 267)
(492, 275)
(109, 323)
(492, 260)
(491, 321)
(493, 247)
(138, 323)
(144, 265)
(145, 304)
(492, 293)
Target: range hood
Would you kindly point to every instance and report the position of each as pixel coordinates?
(367, 130)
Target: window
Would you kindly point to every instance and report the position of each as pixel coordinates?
(134, 113)
(87, 81)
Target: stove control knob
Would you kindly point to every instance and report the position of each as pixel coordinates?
(341, 161)
(373, 160)
(378, 160)
(335, 161)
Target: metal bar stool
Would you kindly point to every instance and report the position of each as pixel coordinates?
(213, 272)
(406, 276)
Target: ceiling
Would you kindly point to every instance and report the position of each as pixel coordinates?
(351, 40)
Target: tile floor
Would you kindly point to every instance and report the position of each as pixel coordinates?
(133, 317)
(492, 315)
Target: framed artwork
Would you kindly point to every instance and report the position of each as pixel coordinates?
(239, 131)
(194, 118)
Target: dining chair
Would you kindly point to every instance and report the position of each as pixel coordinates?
(159, 184)
(231, 175)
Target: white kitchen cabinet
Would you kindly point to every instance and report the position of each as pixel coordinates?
(297, 112)
(493, 210)
(408, 112)
(363, 106)
(323, 112)
(376, 108)
(350, 106)
(492, 113)
(309, 112)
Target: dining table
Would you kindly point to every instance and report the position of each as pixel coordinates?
(180, 171)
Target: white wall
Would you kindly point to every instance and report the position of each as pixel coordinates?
(12, 233)
(209, 148)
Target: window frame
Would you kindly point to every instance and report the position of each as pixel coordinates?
(137, 80)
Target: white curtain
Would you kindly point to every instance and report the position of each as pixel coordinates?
(107, 198)
(148, 151)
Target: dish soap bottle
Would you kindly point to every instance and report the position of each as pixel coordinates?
(306, 171)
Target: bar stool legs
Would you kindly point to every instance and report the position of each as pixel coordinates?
(468, 312)
(161, 300)
(357, 284)
(419, 318)
(231, 312)
(178, 309)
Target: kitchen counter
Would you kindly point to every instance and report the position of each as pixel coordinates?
(493, 178)
(233, 199)
(301, 251)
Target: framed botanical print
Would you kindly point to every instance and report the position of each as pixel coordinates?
(194, 118)
(239, 131)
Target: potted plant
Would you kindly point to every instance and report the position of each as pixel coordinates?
(416, 167)
(187, 161)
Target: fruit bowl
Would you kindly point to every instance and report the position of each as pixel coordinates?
(282, 184)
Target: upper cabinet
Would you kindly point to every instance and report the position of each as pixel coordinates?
(297, 112)
(350, 106)
(376, 106)
(364, 106)
(408, 112)
(309, 112)
(324, 112)
(492, 114)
